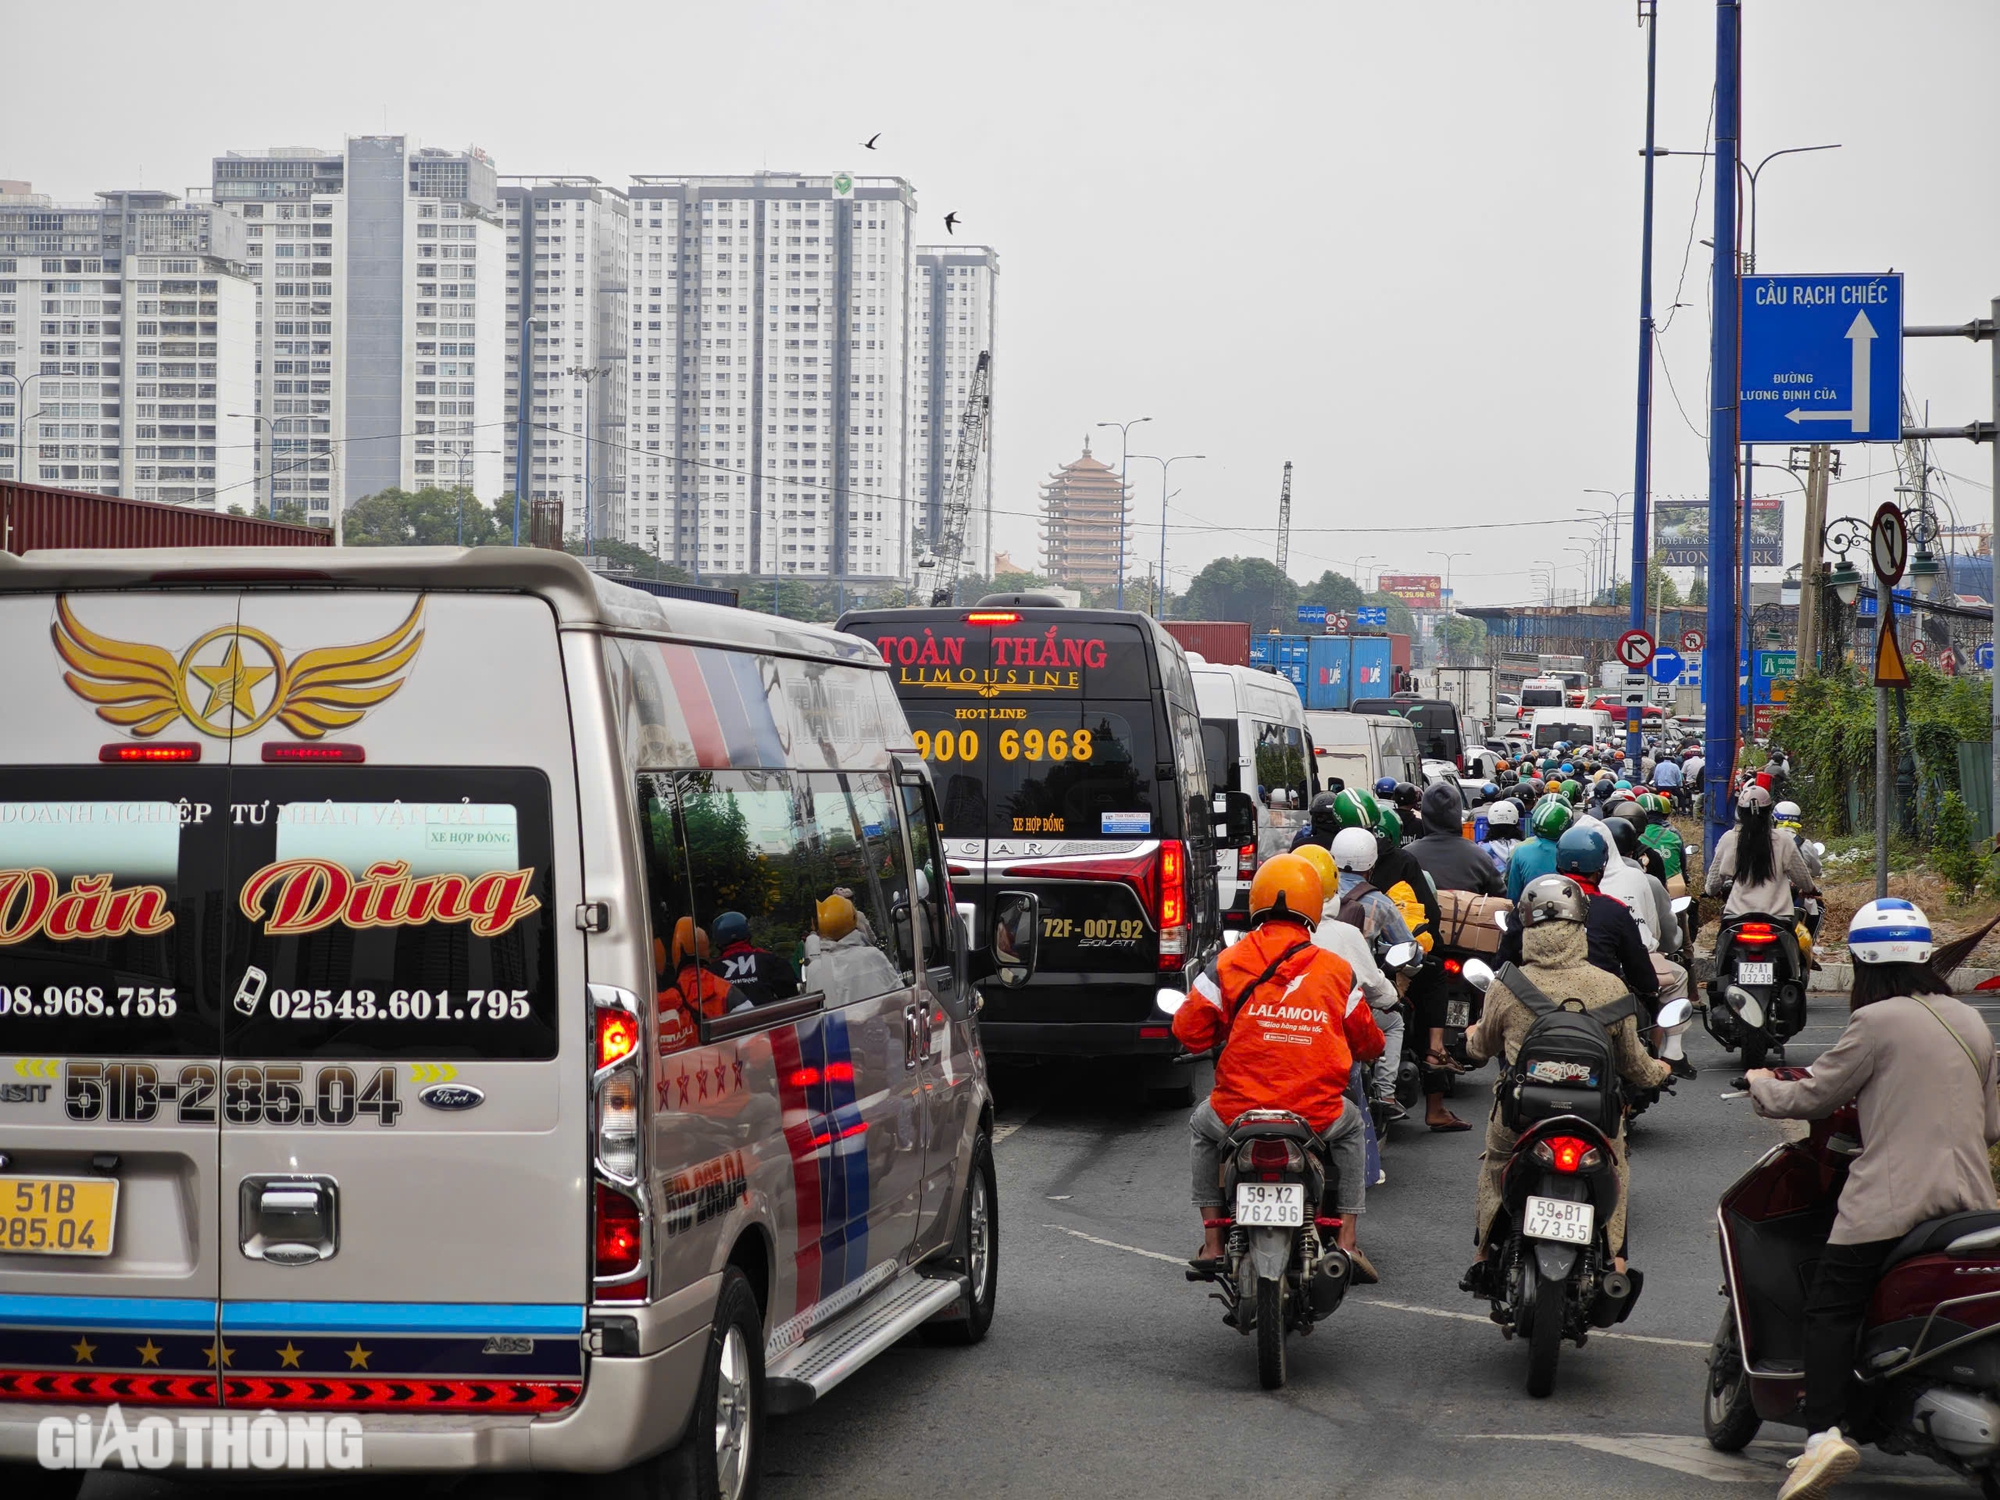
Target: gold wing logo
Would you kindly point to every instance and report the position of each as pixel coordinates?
(233, 680)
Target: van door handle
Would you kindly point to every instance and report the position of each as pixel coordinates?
(288, 1220)
(913, 1035)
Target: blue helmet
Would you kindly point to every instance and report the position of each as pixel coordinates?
(1568, 769)
(1582, 851)
(1386, 787)
(1490, 790)
(730, 928)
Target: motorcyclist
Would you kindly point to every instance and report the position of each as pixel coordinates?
(1321, 823)
(1536, 856)
(1503, 833)
(1451, 860)
(1407, 799)
(1628, 811)
(1646, 895)
(1616, 944)
(1919, 1066)
(1282, 1009)
(1553, 938)
(1761, 869)
(1659, 834)
(1787, 817)
(1359, 923)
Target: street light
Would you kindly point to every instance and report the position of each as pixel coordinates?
(270, 457)
(1361, 567)
(1165, 464)
(1451, 607)
(1124, 441)
(1614, 496)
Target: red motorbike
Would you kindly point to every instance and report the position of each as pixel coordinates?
(1927, 1369)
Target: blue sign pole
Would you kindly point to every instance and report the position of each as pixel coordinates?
(1642, 463)
(1720, 650)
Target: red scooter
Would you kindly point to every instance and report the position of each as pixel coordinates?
(1927, 1370)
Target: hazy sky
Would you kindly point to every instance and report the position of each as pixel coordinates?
(1394, 243)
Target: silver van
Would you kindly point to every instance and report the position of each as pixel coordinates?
(444, 989)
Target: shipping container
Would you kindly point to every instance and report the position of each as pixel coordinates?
(34, 516)
(1223, 642)
(1399, 651)
(1339, 667)
(1283, 654)
(699, 593)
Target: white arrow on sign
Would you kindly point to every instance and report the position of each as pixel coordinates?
(1861, 339)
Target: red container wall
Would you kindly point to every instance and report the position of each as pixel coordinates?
(1399, 651)
(34, 516)
(1224, 642)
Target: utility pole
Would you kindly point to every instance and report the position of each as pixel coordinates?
(1285, 519)
(1719, 665)
(1818, 466)
(1642, 463)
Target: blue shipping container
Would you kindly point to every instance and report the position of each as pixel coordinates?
(1373, 672)
(1327, 671)
(1284, 654)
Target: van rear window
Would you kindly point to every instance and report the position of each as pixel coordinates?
(1067, 771)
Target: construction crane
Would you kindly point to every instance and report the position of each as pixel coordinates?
(1285, 519)
(948, 554)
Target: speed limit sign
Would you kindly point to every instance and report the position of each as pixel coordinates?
(1635, 649)
(1691, 640)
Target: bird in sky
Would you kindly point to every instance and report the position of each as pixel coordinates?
(951, 222)
(869, 144)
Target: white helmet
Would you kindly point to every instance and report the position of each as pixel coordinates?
(1787, 813)
(1889, 931)
(1504, 814)
(1354, 849)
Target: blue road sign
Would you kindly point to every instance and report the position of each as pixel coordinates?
(1312, 614)
(1822, 359)
(1868, 609)
(1666, 665)
(1984, 656)
(1372, 616)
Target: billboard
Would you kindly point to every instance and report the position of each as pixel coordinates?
(1418, 590)
(1680, 533)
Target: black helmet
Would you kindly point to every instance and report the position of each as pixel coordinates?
(1582, 850)
(1406, 795)
(1623, 834)
(1321, 813)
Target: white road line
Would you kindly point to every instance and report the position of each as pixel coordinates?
(1001, 1132)
(1692, 1456)
(1365, 1301)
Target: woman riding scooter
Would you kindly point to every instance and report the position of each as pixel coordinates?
(1920, 1067)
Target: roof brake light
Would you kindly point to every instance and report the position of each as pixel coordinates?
(993, 617)
(314, 754)
(147, 754)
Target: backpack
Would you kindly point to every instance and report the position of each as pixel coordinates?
(1567, 1064)
(1351, 911)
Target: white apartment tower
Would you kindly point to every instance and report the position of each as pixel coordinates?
(380, 321)
(127, 348)
(566, 311)
(767, 395)
(952, 321)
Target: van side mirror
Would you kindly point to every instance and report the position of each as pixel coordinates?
(1017, 937)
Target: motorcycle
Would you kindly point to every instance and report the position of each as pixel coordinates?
(1757, 993)
(1397, 960)
(1282, 1270)
(1551, 1266)
(1928, 1363)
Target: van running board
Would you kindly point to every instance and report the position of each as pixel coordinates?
(808, 1372)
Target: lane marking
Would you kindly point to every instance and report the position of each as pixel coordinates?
(1365, 1301)
(1001, 1132)
(1693, 1456)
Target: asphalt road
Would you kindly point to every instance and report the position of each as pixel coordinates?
(1108, 1375)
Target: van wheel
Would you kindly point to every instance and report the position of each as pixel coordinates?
(722, 1453)
(975, 1253)
(32, 1482)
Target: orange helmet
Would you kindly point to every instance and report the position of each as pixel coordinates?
(1323, 866)
(1286, 887)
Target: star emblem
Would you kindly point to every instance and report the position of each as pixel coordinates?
(682, 1079)
(230, 681)
(737, 1067)
(84, 1350)
(227, 1354)
(150, 1352)
(720, 1078)
(701, 1084)
(357, 1357)
(289, 1356)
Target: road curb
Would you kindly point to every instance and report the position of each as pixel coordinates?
(1839, 978)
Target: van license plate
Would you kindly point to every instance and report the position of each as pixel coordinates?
(1756, 973)
(1559, 1219)
(1279, 1204)
(57, 1215)
(1458, 1013)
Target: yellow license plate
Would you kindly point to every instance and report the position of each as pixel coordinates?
(57, 1215)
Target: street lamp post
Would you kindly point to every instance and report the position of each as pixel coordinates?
(270, 458)
(1361, 567)
(1124, 441)
(590, 375)
(1616, 516)
(1451, 599)
(1165, 465)
(21, 383)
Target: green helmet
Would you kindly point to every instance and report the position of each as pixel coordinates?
(1550, 818)
(1389, 824)
(1356, 807)
(1574, 791)
(1654, 804)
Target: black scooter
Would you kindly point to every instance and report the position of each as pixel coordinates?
(1757, 994)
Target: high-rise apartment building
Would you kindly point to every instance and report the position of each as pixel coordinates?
(127, 348)
(566, 350)
(1086, 523)
(951, 321)
(380, 320)
(767, 400)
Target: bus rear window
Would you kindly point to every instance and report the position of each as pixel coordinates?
(1066, 771)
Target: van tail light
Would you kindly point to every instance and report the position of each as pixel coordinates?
(1173, 909)
(1755, 934)
(618, 1093)
(1246, 862)
(147, 755)
(620, 1248)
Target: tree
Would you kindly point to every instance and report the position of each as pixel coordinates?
(1401, 621)
(1250, 589)
(1461, 636)
(1699, 593)
(1658, 586)
(429, 517)
(624, 555)
(1335, 591)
